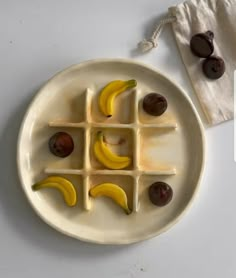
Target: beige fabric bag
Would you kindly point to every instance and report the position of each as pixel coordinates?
(196, 16)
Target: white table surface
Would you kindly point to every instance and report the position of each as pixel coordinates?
(39, 38)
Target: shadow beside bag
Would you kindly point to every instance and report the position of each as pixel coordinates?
(198, 16)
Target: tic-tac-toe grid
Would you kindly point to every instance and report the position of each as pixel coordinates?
(136, 172)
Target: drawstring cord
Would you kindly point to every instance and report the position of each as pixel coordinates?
(147, 45)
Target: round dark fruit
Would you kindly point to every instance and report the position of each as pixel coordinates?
(61, 144)
(213, 67)
(202, 44)
(154, 104)
(160, 193)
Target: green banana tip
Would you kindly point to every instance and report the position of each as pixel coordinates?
(34, 187)
(90, 193)
(128, 211)
(99, 133)
(132, 83)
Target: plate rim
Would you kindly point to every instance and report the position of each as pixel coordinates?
(111, 60)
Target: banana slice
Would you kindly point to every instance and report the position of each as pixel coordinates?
(107, 157)
(109, 93)
(63, 185)
(113, 191)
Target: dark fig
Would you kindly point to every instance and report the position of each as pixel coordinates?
(61, 144)
(202, 44)
(154, 104)
(160, 193)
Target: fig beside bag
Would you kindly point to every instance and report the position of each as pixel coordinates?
(197, 16)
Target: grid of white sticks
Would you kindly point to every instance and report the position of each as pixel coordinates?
(136, 172)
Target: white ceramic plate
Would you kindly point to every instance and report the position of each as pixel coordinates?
(161, 153)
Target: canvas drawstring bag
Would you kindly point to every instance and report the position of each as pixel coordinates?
(199, 16)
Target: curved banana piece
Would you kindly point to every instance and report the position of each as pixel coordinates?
(113, 191)
(110, 91)
(107, 157)
(106, 91)
(63, 185)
